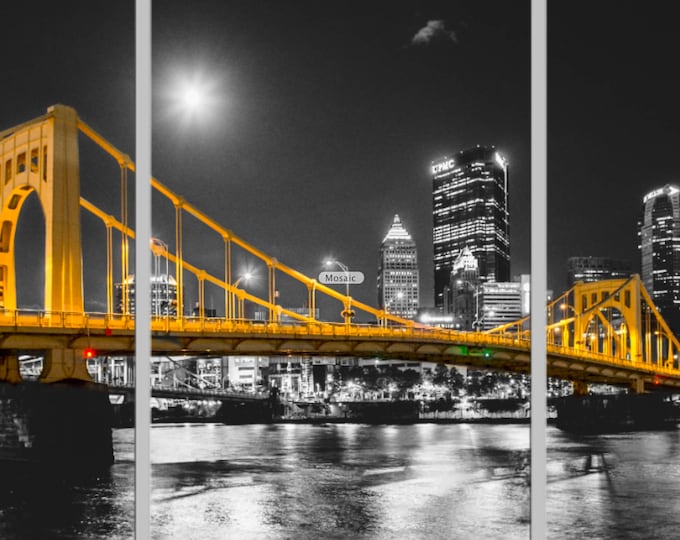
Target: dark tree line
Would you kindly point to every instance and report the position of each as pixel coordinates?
(380, 378)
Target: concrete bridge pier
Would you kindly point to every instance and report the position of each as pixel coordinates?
(65, 364)
(9, 369)
(610, 413)
(62, 426)
(580, 388)
(637, 385)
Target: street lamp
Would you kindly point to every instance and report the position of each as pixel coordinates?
(577, 335)
(247, 277)
(564, 308)
(331, 262)
(233, 311)
(347, 313)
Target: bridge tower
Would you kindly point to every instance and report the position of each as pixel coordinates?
(41, 156)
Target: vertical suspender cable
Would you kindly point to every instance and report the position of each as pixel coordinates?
(109, 270)
(124, 242)
(228, 296)
(179, 262)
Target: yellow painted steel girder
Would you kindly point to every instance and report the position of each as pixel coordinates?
(227, 234)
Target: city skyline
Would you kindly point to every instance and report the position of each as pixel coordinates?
(580, 183)
(304, 156)
(343, 133)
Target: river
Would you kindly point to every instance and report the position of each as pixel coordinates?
(286, 481)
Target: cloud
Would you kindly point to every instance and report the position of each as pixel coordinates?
(433, 31)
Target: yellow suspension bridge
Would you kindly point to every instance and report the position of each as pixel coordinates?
(607, 331)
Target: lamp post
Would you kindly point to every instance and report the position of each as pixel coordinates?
(347, 312)
(247, 276)
(565, 336)
(331, 262)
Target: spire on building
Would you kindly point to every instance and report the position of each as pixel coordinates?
(397, 231)
(465, 261)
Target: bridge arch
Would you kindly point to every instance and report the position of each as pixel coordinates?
(41, 156)
(620, 319)
(608, 317)
(14, 212)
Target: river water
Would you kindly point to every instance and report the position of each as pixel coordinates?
(286, 481)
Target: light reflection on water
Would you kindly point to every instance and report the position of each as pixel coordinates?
(340, 481)
(356, 481)
(636, 498)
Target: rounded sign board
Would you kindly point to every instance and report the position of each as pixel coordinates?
(341, 278)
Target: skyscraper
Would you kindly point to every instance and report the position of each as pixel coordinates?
(461, 296)
(588, 269)
(163, 296)
(398, 278)
(659, 237)
(470, 209)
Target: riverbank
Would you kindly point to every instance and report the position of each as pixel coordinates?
(336, 420)
(321, 420)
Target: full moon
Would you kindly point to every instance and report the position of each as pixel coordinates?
(193, 98)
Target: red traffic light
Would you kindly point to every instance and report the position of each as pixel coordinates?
(89, 353)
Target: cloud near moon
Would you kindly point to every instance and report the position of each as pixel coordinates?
(434, 31)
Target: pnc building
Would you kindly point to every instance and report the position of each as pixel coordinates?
(659, 237)
(470, 210)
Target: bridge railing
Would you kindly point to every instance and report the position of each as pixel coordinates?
(39, 318)
(102, 323)
(603, 359)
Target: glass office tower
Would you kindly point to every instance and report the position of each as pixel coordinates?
(470, 196)
(659, 236)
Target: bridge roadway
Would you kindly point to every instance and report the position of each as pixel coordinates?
(114, 335)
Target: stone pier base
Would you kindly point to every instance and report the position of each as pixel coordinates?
(615, 413)
(61, 426)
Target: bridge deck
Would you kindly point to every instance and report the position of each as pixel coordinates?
(218, 336)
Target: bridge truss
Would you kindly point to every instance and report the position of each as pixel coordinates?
(608, 331)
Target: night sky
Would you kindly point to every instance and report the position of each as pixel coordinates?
(613, 132)
(324, 117)
(330, 114)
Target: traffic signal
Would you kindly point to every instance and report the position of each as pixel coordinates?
(89, 353)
